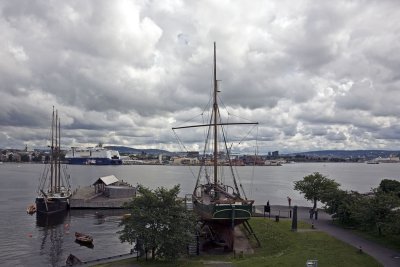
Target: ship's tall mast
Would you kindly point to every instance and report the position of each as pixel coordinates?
(215, 110)
(56, 155)
(214, 123)
(52, 153)
(59, 155)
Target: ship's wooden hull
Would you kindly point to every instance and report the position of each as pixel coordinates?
(52, 205)
(226, 214)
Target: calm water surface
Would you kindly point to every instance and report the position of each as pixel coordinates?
(31, 241)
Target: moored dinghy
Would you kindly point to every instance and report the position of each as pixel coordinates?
(83, 238)
(31, 209)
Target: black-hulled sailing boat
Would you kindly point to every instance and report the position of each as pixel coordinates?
(54, 190)
(220, 206)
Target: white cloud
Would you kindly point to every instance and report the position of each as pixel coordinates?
(314, 75)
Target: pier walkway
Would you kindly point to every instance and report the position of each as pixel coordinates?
(86, 198)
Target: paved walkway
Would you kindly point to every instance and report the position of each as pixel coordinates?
(387, 257)
(241, 243)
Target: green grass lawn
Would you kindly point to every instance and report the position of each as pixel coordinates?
(280, 247)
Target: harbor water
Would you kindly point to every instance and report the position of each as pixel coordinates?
(31, 241)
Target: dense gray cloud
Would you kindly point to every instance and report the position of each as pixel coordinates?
(315, 75)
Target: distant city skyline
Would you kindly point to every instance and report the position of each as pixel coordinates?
(339, 154)
(315, 75)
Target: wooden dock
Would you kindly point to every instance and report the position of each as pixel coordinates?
(86, 198)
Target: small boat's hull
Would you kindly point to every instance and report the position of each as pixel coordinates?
(83, 239)
(31, 209)
(52, 205)
(85, 244)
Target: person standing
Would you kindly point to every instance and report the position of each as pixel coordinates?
(289, 201)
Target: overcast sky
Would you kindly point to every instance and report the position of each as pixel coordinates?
(315, 74)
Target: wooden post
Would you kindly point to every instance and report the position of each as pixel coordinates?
(294, 219)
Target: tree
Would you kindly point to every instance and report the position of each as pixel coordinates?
(339, 204)
(388, 185)
(315, 187)
(159, 221)
(36, 157)
(376, 211)
(25, 158)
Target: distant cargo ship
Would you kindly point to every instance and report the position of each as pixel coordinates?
(93, 156)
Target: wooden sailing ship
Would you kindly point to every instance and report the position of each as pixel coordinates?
(54, 190)
(220, 206)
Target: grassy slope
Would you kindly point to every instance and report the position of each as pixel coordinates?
(281, 247)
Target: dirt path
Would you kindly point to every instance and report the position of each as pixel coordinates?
(241, 244)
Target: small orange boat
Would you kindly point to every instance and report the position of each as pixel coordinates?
(31, 209)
